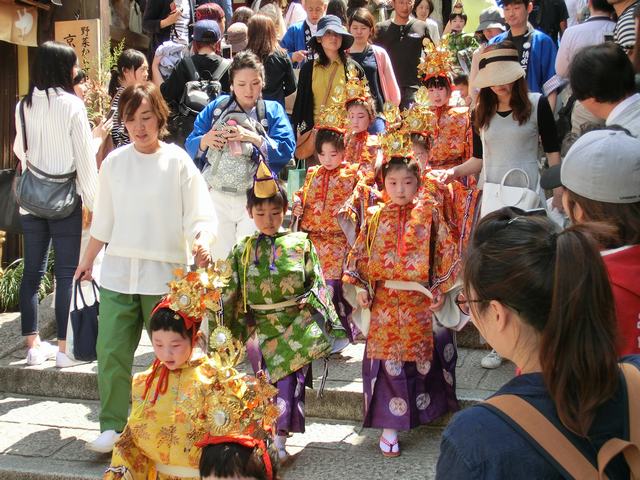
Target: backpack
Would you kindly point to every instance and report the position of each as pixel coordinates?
(557, 448)
(197, 94)
(220, 110)
(563, 124)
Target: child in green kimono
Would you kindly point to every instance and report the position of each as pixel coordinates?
(277, 299)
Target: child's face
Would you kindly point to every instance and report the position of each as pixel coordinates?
(438, 96)
(457, 24)
(359, 119)
(421, 153)
(401, 185)
(268, 217)
(330, 157)
(315, 10)
(171, 348)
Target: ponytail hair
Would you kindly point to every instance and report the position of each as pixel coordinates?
(129, 59)
(578, 347)
(558, 285)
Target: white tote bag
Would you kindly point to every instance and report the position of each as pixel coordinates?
(498, 195)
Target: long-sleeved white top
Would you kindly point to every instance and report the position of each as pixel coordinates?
(149, 209)
(59, 139)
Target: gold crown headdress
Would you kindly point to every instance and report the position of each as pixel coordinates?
(265, 184)
(419, 118)
(355, 88)
(436, 61)
(396, 140)
(332, 117)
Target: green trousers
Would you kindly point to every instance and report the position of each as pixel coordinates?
(122, 317)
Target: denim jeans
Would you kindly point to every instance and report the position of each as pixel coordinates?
(39, 233)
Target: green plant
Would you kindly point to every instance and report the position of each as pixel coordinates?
(97, 99)
(11, 278)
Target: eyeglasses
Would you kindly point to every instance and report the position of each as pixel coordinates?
(463, 303)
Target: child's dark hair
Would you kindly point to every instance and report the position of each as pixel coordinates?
(461, 79)
(229, 460)
(165, 319)
(279, 199)
(438, 82)
(462, 15)
(329, 136)
(80, 77)
(402, 163)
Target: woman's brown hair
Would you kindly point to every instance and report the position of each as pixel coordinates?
(132, 97)
(363, 16)
(558, 284)
(624, 217)
(519, 103)
(263, 39)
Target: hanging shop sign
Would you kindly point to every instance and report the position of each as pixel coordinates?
(19, 24)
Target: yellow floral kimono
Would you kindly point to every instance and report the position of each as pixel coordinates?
(159, 439)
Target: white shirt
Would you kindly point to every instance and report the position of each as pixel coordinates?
(312, 28)
(149, 209)
(627, 115)
(59, 139)
(575, 9)
(181, 27)
(591, 32)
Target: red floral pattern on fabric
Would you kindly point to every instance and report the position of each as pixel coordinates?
(452, 137)
(323, 195)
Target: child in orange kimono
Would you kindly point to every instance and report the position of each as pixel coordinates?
(403, 261)
(325, 190)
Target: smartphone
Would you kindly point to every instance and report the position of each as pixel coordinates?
(226, 51)
(111, 113)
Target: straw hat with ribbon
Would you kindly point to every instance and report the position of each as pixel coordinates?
(499, 66)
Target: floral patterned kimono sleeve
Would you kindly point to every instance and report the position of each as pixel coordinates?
(127, 458)
(355, 273)
(318, 296)
(233, 296)
(445, 255)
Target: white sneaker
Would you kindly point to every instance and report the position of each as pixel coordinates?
(63, 360)
(491, 361)
(104, 443)
(41, 353)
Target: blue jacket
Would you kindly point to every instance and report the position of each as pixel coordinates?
(542, 58)
(293, 39)
(479, 444)
(280, 141)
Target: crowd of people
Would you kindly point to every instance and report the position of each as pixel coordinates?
(456, 169)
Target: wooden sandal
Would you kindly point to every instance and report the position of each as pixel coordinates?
(390, 453)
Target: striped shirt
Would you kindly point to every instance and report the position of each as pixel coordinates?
(119, 134)
(180, 33)
(625, 31)
(59, 139)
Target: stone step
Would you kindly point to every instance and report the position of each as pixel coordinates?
(44, 438)
(342, 399)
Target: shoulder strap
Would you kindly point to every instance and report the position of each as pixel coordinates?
(221, 108)
(545, 434)
(25, 147)
(191, 68)
(632, 377)
(331, 77)
(221, 70)
(261, 110)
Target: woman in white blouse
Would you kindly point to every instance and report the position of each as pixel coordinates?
(153, 211)
(59, 142)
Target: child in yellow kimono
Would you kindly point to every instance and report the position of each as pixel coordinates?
(326, 188)
(168, 399)
(403, 261)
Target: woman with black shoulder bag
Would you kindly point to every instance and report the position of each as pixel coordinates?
(59, 175)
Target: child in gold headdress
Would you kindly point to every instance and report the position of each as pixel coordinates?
(325, 190)
(452, 125)
(167, 400)
(278, 293)
(404, 259)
